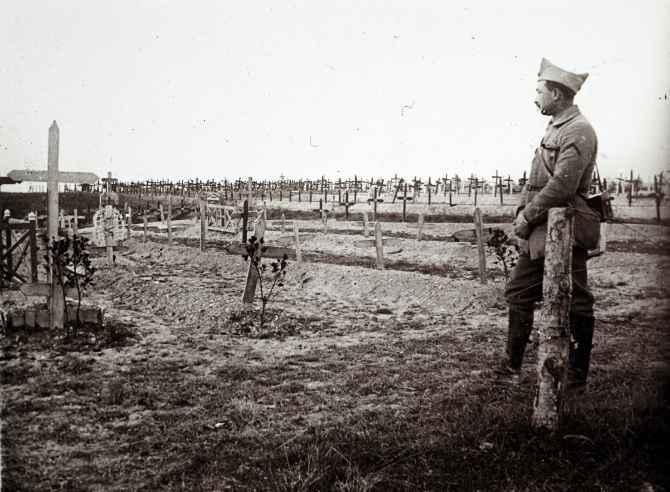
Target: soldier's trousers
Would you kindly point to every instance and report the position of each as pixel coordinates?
(525, 286)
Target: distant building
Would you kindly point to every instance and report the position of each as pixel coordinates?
(27, 181)
(6, 180)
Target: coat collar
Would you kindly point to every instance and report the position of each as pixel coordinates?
(564, 116)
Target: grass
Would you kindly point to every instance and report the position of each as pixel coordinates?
(418, 415)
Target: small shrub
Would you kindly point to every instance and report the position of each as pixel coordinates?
(71, 267)
(505, 251)
(267, 280)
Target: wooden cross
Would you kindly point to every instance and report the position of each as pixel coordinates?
(630, 188)
(509, 184)
(524, 180)
(496, 179)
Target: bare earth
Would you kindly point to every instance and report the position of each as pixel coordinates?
(361, 379)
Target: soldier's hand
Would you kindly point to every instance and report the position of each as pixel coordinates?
(520, 227)
(521, 244)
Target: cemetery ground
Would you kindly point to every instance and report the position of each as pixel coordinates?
(362, 379)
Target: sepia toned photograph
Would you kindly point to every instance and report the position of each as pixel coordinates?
(335, 246)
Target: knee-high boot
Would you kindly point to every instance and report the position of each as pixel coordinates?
(581, 343)
(518, 331)
(519, 328)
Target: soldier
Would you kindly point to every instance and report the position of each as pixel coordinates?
(560, 176)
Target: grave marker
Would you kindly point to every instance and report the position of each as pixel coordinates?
(379, 246)
(480, 245)
(298, 253)
(56, 300)
(419, 228)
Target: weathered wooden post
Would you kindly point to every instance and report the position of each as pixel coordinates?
(245, 220)
(419, 229)
(32, 220)
(365, 224)
(554, 320)
(169, 220)
(109, 233)
(374, 204)
(160, 207)
(146, 225)
(75, 225)
(657, 198)
(480, 244)
(346, 205)
(130, 220)
(404, 203)
(283, 222)
(324, 220)
(8, 243)
(252, 274)
(203, 223)
(298, 253)
(56, 300)
(379, 246)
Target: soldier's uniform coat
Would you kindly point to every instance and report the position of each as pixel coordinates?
(560, 176)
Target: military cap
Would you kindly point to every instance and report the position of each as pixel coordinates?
(549, 71)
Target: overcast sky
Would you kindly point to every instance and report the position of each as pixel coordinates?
(226, 89)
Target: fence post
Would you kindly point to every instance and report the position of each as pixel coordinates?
(146, 225)
(203, 224)
(169, 220)
(419, 229)
(365, 224)
(554, 320)
(245, 220)
(8, 242)
(379, 246)
(32, 219)
(480, 244)
(298, 253)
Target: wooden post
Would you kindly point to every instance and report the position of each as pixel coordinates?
(75, 226)
(146, 225)
(169, 220)
(554, 322)
(374, 204)
(130, 220)
(365, 224)
(346, 205)
(252, 275)
(245, 221)
(404, 203)
(657, 198)
(109, 227)
(379, 246)
(32, 219)
(630, 189)
(283, 220)
(203, 224)
(602, 247)
(56, 300)
(419, 228)
(8, 243)
(160, 207)
(324, 220)
(480, 244)
(298, 253)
